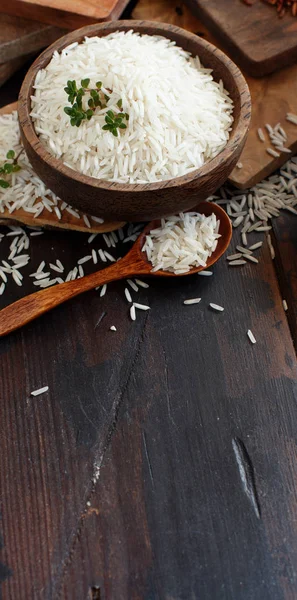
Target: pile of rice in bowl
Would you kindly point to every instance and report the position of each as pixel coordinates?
(178, 117)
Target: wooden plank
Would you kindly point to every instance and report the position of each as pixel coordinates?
(253, 35)
(147, 425)
(285, 244)
(19, 37)
(68, 14)
(272, 96)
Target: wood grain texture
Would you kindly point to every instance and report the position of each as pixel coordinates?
(272, 96)
(258, 40)
(134, 264)
(135, 202)
(8, 69)
(67, 14)
(130, 477)
(20, 37)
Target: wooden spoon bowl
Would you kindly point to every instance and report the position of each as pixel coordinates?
(137, 202)
(135, 263)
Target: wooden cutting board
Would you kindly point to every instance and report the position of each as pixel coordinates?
(47, 219)
(254, 36)
(19, 37)
(272, 96)
(68, 14)
(7, 69)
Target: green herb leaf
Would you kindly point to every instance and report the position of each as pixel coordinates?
(8, 168)
(120, 103)
(99, 85)
(85, 83)
(106, 127)
(4, 184)
(10, 154)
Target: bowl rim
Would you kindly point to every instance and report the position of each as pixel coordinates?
(238, 132)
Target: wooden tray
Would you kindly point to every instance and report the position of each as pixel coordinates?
(68, 14)
(19, 37)
(254, 36)
(50, 219)
(272, 96)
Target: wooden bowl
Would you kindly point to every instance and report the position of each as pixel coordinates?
(134, 202)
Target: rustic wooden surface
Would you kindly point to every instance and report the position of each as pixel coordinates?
(68, 14)
(19, 37)
(162, 463)
(254, 35)
(272, 96)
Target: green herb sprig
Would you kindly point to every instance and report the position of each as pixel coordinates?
(98, 99)
(9, 167)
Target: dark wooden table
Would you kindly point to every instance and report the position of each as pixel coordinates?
(162, 463)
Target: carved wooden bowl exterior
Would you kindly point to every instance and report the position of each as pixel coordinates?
(134, 202)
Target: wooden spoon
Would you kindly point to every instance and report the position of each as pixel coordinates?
(135, 263)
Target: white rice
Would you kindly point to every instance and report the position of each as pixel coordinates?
(192, 301)
(179, 117)
(40, 391)
(251, 336)
(182, 242)
(216, 307)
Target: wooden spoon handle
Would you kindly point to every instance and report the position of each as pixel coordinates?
(30, 307)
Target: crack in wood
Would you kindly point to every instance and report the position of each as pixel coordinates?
(94, 593)
(97, 464)
(247, 476)
(148, 460)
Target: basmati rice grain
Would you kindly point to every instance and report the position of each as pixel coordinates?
(133, 313)
(142, 284)
(103, 290)
(205, 273)
(128, 295)
(234, 256)
(251, 336)
(94, 256)
(272, 152)
(141, 306)
(132, 285)
(113, 328)
(216, 307)
(284, 304)
(102, 255)
(40, 391)
(92, 237)
(109, 257)
(261, 135)
(81, 261)
(251, 258)
(244, 239)
(237, 263)
(86, 220)
(41, 267)
(192, 301)
(256, 246)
